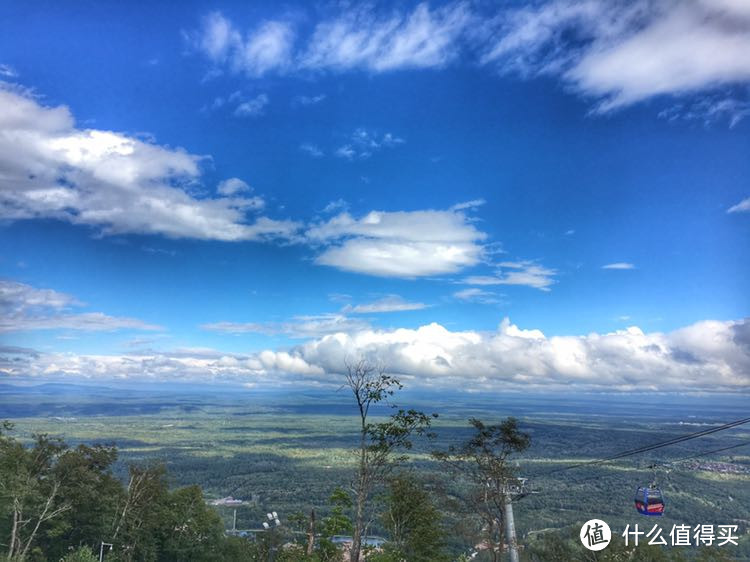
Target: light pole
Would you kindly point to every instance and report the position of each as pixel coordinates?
(101, 550)
(272, 517)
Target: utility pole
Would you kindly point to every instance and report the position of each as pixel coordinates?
(510, 528)
(512, 490)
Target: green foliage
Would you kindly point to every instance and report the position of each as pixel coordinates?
(31, 491)
(91, 491)
(554, 546)
(290, 450)
(413, 522)
(337, 523)
(82, 554)
(191, 531)
(482, 461)
(54, 497)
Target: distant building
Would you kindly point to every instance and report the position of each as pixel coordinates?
(229, 500)
(375, 542)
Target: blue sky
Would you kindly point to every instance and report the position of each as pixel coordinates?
(537, 196)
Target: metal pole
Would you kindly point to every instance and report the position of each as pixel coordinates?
(101, 550)
(234, 522)
(510, 528)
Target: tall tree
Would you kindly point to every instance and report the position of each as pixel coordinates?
(380, 444)
(413, 522)
(30, 490)
(139, 513)
(191, 530)
(92, 492)
(483, 461)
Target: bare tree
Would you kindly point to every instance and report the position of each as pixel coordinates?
(483, 461)
(381, 445)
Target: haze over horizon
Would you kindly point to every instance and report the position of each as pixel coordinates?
(478, 197)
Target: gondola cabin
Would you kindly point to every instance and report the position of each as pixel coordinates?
(649, 501)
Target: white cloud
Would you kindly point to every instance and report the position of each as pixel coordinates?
(390, 303)
(267, 48)
(217, 36)
(481, 280)
(618, 53)
(24, 308)
(741, 207)
(526, 273)
(232, 186)
(363, 143)
(398, 244)
(626, 52)
(311, 149)
(474, 294)
(473, 204)
(297, 327)
(308, 100)
(7, 71)
(360, 39)
(345, 151)
(619, 265)
(114, 182)
(336, 205)
(709, 110)
(708, 356)
(253, 107)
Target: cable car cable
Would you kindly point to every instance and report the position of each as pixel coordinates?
(704, 453)
(651, 447)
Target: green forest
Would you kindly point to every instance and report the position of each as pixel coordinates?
(421, 483)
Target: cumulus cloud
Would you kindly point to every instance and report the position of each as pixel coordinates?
(619, 265)
(709, 356)
(111, 181)
(390, 303)
(741, 207)
(24, 308)
(398, 244)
